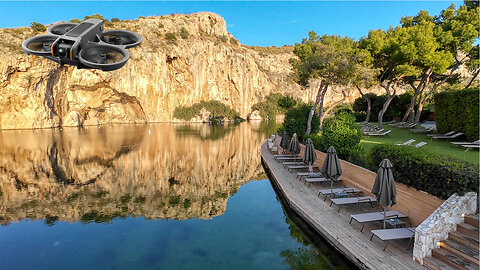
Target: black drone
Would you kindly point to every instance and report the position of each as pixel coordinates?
(84, 45)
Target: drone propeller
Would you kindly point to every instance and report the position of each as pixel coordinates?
(39, 45)
(61, 28)
(121, 37)
(104, 57)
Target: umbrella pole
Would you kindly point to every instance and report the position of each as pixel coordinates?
(384, 216)
(331, 187)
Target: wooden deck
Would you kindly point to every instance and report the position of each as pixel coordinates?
(334, 226)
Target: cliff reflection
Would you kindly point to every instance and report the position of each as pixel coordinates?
(96, 174)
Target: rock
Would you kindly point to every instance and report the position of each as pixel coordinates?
(158, 77)
(255, 115)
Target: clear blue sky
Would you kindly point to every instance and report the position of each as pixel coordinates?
(253, 23)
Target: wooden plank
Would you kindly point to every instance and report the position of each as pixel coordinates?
(335, 227)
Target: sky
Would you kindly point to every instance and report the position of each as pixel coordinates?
(252, 23)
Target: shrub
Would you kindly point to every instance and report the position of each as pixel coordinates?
(296, 121)
(75, 20)
(115, 20)
(458, 110)
(38, 27)
(222, 38)
(286, 102)
(171, 37)
(184, 33)
(216, 108)
(94, 16)
(274, 104)
(160, 25)
(436, 174)
(233, 41)
(343, 108)
(341, 132)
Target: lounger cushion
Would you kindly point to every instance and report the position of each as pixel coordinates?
(393, 234)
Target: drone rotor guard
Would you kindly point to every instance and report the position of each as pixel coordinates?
(61, 28)
(124, 38)
(103, 56)
(39, 45)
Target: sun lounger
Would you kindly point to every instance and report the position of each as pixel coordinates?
(379, 134)
(300, 167)
(338, 192)
(270, 145)
(422, 130)
(412, 125)
(446, 134)
(420, 144)
(406, 143)
(352, 200)
(277, 156)
(394, 234)
(395, 123)
(471, 146)
(311, 180)
(477, 142)
(374, 216)
(288, 158)
(285, 164)
(308, 174)
(447, 137)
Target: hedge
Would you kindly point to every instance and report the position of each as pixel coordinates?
(458, 111)
(435, 174)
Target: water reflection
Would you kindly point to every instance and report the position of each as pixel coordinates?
(98, 173)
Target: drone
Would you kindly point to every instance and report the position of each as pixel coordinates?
(84, 45)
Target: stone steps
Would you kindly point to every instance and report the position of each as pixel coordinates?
(460, 250)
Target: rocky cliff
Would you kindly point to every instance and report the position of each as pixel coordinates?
(161, 74)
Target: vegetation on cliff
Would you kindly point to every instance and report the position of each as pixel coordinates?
(214, 107)
(274, 104)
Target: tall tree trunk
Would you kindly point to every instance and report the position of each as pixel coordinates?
(369, 104)
(418, 90)
(312, 111)
(333, 106)
(320, 112)
(473, 78)
(390, 96)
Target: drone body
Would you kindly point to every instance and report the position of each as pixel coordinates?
(84, 45)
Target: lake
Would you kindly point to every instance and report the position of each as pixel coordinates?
(161, 196)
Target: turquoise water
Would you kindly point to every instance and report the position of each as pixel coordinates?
(146, 197)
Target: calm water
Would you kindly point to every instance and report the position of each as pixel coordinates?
(146, 197)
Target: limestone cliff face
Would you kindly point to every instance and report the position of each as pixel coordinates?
(95, 174)
(160, 75)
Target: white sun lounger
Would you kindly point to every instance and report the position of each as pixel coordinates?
(422, 130)
(466, 143)
(374, 216)
(471, 146)
(352, 200)
(406, 143)
(379, 134)
(338, 192)
(420, 144)
(394, 234)
(446, 134)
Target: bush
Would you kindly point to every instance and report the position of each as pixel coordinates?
(184, 33)
(458, 111)
(341, 132)
(75, 20)
(222, 38)
(436, 174)
(95, 16)
(171, 37)
(343, 108)
(286, 102)
(37, 27)
(296, 121)
(216, 108)
(233, 41)
(274, 104)
(115, 20)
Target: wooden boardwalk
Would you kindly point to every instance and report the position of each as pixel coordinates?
(334, 226)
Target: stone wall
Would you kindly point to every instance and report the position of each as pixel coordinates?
(442, 221)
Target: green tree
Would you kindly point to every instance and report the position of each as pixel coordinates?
(296, 121)
(328, 59)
